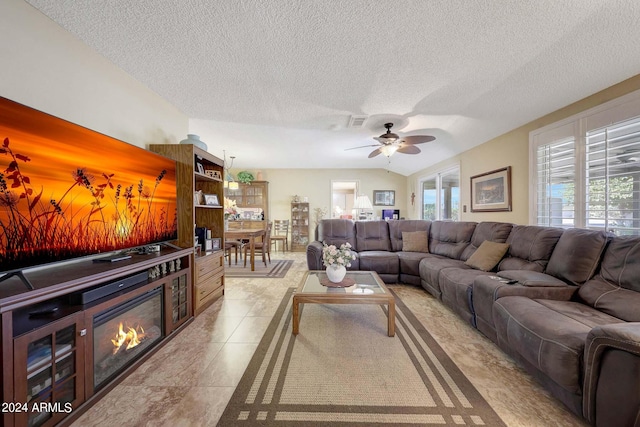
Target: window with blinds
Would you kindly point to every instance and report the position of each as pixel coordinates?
(585, 170)
(555, 187)
(612, 190)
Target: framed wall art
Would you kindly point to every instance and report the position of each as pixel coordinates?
(384, 197)
(491, 191)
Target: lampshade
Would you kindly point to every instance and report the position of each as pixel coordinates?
(389, 149)
(362, 203)
(233, 185)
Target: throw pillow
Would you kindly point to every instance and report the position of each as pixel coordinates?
(487, 256)
(415, 241)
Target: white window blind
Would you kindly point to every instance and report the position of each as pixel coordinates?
(585, 169)
(612, 188)
(555, 186)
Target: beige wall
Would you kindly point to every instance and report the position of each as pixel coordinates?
(45, 67)
(512, 149)
(316, 185)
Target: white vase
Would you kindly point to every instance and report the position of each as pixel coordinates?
(195, 140)
(336, 273)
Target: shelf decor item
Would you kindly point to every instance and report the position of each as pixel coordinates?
(211, 200)
(195, 140)
(336, 260)
(245, 177)
(230, 209)
(336, 273)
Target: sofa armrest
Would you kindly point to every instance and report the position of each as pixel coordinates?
(314, 256)
(533, 278)
(611, 394)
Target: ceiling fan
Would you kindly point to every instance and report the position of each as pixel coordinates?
(389, 143)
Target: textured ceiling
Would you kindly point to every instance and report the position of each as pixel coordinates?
(275, 82)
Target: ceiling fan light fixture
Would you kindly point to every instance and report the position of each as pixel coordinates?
(388, 137)
(389, 149)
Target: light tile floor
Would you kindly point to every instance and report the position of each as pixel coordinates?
(189, 381)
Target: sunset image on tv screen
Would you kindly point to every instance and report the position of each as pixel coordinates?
(67, 191)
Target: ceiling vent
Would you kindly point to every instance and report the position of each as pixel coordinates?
(357, 121)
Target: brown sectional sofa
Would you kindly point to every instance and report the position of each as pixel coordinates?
(564, 303)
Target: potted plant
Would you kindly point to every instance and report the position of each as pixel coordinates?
(245, 177)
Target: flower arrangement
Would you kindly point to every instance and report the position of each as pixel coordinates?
(230, 208)
(338, 257)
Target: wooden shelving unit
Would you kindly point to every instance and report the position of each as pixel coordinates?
(199, 171)
(299, 226)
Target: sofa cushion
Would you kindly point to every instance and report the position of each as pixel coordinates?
(382, 262)
(456, 285)
(373, 236)
(449, 238)
(530, 247)
(611, 299)
(550, 335)
(431, 266)
(415, 241)
(396, 228)
(410, 262)
(487, 256)
(621, 262)
(577, 255)
(616, 290)
(531, 284)
(492, 231)
(337, 232)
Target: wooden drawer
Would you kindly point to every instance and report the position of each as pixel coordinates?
(209, 265)
(208, 290)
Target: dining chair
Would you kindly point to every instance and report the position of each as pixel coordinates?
(228, 246)
(280, 233)
(264, 247)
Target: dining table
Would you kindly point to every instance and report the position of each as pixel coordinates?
(246, 234)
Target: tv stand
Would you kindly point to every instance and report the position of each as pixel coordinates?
(48, 331)
(21, 276)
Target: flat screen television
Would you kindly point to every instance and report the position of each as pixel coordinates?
(390, 214)
(68, 192)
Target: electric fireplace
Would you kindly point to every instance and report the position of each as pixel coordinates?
(124, 333)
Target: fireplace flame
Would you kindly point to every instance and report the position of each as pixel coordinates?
(128, 339)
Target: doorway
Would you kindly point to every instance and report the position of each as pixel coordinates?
(343, 196)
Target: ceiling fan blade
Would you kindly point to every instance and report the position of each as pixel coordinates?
(408, 149)
(418, 139)
(374, 153)
(362, 146)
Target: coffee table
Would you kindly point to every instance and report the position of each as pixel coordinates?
(369, 289)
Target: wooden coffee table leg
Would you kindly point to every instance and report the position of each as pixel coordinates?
(295, 315)
(391, 328)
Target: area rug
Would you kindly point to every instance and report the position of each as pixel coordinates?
(343, 370)
(277, 269)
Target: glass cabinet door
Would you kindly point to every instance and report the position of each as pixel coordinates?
(48, 375)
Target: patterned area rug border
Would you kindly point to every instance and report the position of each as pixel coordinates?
(276, 270)
(458, 401)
